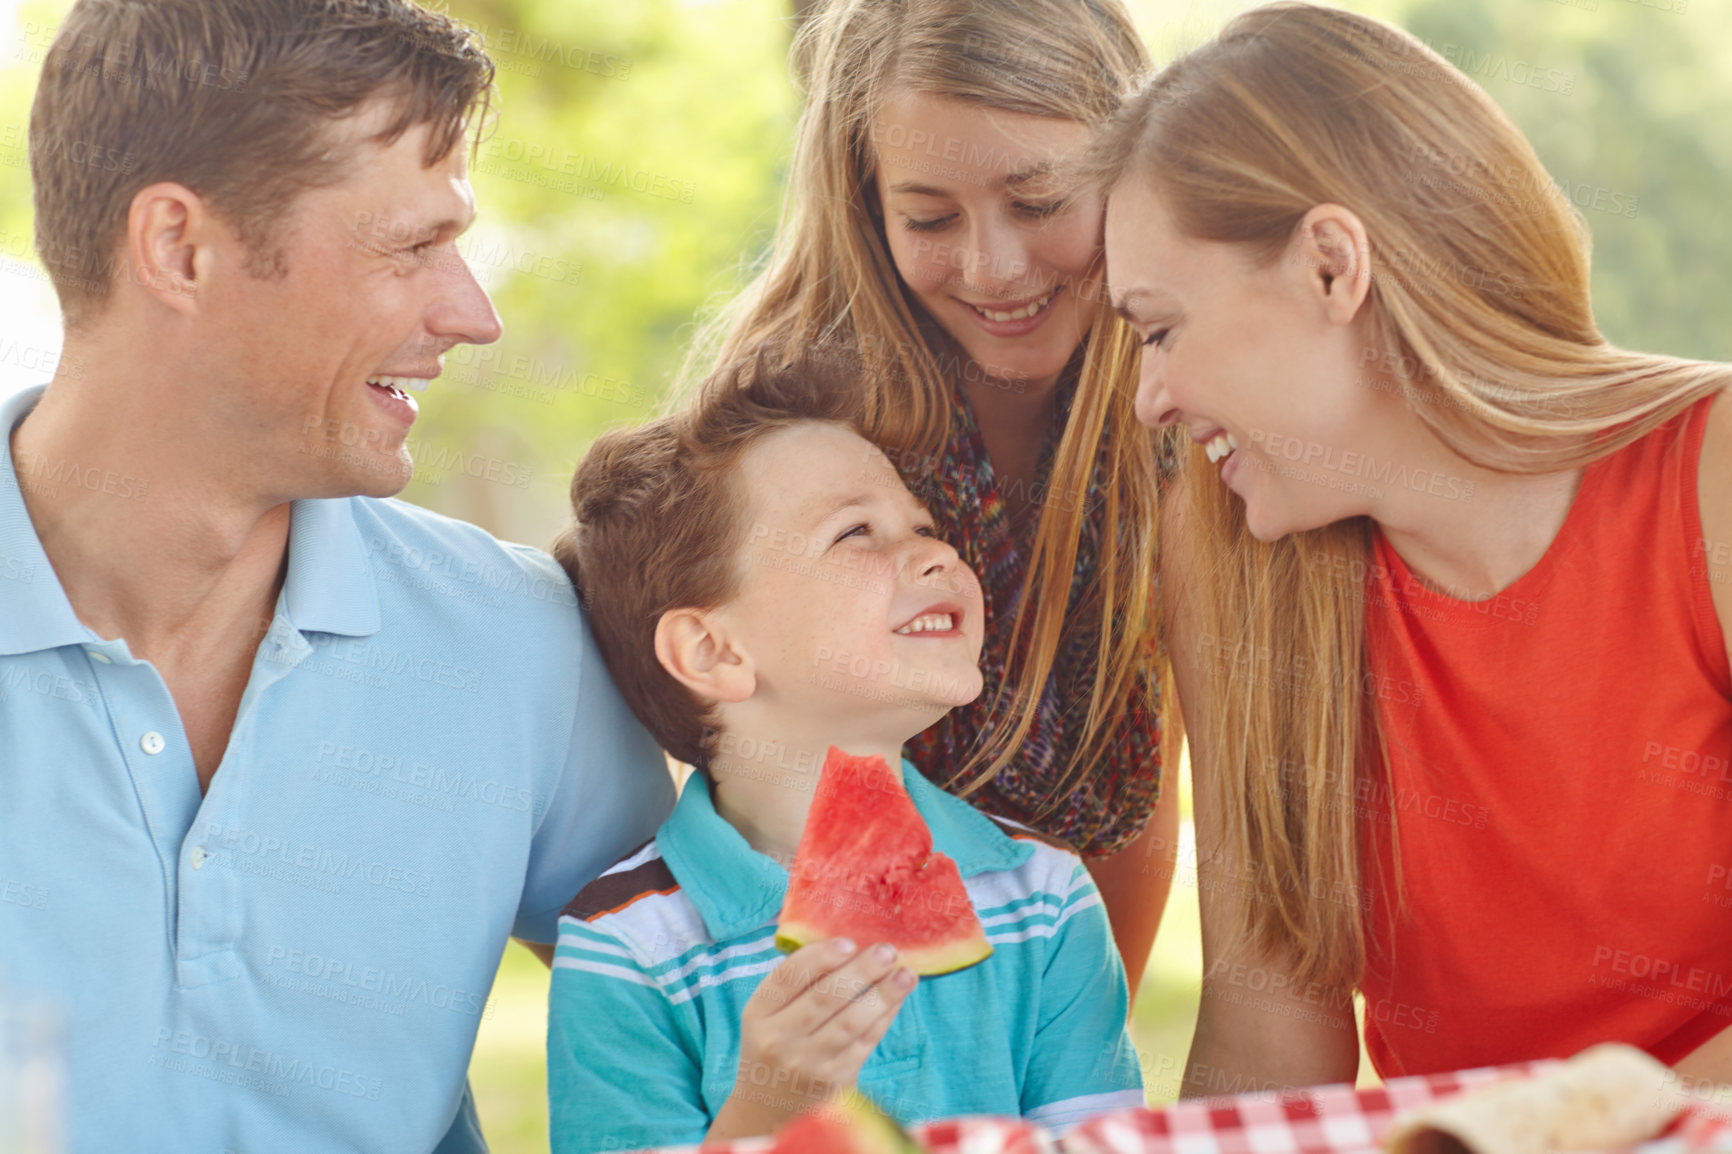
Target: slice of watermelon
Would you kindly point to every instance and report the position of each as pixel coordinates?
(847, 1124)
(865, 870)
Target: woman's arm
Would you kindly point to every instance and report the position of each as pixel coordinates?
(1257, 1029)
(1134, 882)
(1712, 1061)
(1714, 499)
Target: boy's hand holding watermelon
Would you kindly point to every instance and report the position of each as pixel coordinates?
(808, 1029)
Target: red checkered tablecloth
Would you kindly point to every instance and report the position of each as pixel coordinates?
(1335, 1120)
(1315, 1120)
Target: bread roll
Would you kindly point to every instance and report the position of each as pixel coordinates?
(1608, 1095)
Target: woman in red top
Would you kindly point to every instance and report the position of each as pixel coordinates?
(1450, 581)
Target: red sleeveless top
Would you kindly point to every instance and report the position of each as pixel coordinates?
(1560, 787)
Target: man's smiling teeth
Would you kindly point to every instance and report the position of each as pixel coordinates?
(1219, 446)
(930, 622)
(419, 384)
(1023, 313)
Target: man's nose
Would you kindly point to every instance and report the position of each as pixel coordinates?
(463, 311)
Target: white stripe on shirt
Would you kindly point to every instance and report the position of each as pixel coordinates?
(728, 975)
(1068, 1112)
(594, 943)
(605, 970)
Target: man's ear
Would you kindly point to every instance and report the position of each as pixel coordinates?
(1334, 256)
(697, 650)
(169, 235)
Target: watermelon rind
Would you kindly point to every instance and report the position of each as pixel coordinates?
(928, 961)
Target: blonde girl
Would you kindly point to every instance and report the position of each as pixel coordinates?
(934, 227)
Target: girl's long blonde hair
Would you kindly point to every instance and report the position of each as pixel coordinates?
(1480, 298)
(830, 279)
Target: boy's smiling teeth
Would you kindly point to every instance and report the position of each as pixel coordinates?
(1023, 313)
(929, 622)
(1219, 446)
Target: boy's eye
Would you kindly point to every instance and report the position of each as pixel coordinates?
(847, 533)
(927, 530)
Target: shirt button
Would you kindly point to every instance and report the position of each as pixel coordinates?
(102, 657)
(198, 857)
(152, 743)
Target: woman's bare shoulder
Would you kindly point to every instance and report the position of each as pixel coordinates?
(1714, 498)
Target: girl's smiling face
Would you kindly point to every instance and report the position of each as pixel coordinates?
(987, 234)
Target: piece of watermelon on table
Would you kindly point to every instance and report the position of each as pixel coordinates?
(850, 1123)
(865, 870)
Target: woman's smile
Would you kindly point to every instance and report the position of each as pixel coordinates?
(1014, 319)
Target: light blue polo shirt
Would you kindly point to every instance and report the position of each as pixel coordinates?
(658, 956)
(429, 757)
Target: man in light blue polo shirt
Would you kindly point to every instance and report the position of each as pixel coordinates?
(283, 762)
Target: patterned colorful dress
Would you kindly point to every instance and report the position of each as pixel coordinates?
(1106, 809)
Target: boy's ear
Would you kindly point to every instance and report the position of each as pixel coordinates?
(695, 648)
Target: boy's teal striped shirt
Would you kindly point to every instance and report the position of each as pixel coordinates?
(657, 957)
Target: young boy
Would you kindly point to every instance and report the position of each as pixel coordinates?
(762, 587)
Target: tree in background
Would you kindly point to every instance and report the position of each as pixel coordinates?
(635, 164)
(1628, 103)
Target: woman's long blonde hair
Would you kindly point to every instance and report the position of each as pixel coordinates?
(830, 280)
(1479, 292)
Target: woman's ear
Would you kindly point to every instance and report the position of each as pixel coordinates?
(1334, 255)
(697, 650)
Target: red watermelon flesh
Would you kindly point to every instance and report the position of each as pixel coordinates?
(865, 870)
(849, 1124)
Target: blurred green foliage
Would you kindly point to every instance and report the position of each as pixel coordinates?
(636, 162)
(1629, 105)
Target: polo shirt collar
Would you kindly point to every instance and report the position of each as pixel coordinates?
(736, 889)
(329, 588)
(38, 616)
